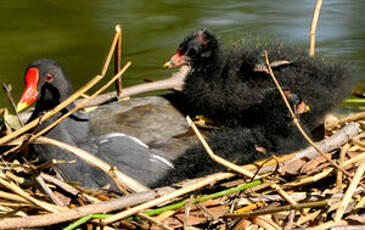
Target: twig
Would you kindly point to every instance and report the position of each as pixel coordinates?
(296, 121)
(187, 213)
(204, 182)
(72, 214)
(204, 198)
(264, 222)
(66, 187)
(110, 53)
(205, 209)
(154, 221)
(299, 206)
(290, 222)
(328, 225)
(7, 89)
(49, 192)
(343, 152)
(349, 192)
(118, 58)
(312, 34)
(16, 189)
(175, 82)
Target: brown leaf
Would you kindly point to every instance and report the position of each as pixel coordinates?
(197, 215)
(293, 167)
(358, 218)
(313, 164)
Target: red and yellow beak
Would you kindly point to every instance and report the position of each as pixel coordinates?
(175, 61)
(30, 93)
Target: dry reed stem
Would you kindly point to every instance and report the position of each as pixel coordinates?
(199, 184)
(349, 118)
(296, 121)
(283, 194)
(349, 192)
(343, 152)
(328, 225)
(110, 53)
(309, 217)
(154, 221)
(309, 179)
(44, 205)
(49, 192)
(312, 34)
(17, 179)
(118, 58)
(175, 82)
(215, 157)
(299, 206)
(8, 88)
(66, 187)
(355, 159)
(12, 197)
(187, 213)
(71, 214)
(265, 223)
(118, 177)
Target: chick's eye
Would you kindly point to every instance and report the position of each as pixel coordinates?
(49, 77)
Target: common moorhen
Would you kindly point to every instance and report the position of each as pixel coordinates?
(48, 85)
(232, 88)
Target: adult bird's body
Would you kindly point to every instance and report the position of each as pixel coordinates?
(48, 85)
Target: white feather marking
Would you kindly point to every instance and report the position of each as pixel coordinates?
(135, 139)
(165, 161)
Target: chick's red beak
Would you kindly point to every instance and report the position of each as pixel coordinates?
(30, 93)
(175, 61)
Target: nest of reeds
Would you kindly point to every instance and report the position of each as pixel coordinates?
(317, 188)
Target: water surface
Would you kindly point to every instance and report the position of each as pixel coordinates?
(78, 33)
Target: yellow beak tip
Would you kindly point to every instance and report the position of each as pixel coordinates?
(20, 107)
(167, 65)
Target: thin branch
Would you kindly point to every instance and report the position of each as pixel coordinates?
(118, 58)
(110, 53)
(8, 88)
(312, 34)
(349, 192)
(175, 82)
(299, 206)
(72, 214)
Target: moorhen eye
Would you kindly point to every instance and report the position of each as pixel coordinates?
(49, 77)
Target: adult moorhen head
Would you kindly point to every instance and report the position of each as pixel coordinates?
(48, 85)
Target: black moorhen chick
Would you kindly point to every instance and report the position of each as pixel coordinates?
(233, 89)
(48, 85)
